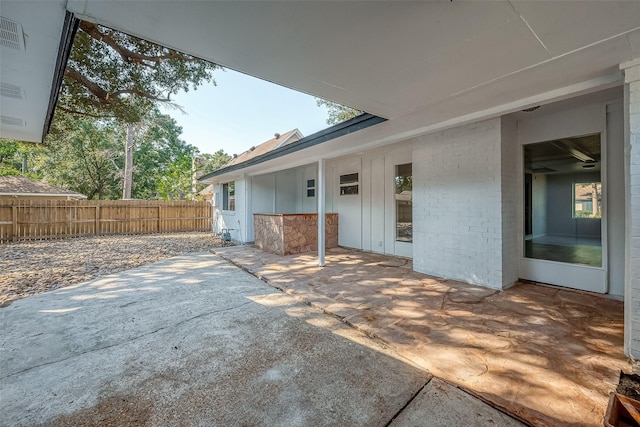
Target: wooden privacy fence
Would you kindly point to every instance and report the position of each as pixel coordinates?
(30, 219)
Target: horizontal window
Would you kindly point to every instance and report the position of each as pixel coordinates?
(349, 184)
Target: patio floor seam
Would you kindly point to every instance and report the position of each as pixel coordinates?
(535, 330)
(373, 336)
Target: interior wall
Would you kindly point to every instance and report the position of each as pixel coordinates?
(559, 214)
(539, 204)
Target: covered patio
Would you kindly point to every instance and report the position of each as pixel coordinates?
(545, 354)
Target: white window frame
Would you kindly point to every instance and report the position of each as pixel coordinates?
(355, 184)
(229, 199)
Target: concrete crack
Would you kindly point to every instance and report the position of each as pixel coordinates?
(397, 414)
(182, 322)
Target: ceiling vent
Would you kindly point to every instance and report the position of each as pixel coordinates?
(11, 91)
(11, 35)
(12, 121)
(530, 110)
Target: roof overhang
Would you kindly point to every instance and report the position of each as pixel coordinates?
(33, 56)
(394, 58)
(420, 64)
(334, 132)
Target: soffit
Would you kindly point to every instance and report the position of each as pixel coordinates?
(393, 58)
(27, 69)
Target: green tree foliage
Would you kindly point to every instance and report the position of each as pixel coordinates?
(163, 161)
(113, 83)
(210, 162)
(113, 74)
(337, 113)
(84, 155)
(14, 153)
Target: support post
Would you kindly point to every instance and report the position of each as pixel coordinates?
(321, 212)
(632, 208)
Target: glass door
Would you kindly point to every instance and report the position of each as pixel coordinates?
(403, 210)
(563, 213)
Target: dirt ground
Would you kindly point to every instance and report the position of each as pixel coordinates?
(32, 267)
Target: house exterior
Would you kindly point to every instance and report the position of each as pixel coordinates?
(235, 200)
(484, 119)
(459, 214)
(21, 187)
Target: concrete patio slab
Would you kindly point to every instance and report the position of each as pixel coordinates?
(192, 340)
(547, 355)
(440, 404)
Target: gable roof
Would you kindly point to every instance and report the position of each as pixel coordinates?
(278, 140)
(349, 126)
(23, 186)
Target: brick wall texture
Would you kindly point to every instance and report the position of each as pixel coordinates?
(457, 200)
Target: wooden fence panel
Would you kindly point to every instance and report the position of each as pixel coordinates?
(35, 219)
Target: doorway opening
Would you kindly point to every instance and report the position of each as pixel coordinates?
(563, 201)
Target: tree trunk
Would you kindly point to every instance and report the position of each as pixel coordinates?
(194, 180)
(128, 163)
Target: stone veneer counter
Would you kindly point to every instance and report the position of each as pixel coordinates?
(286, 234)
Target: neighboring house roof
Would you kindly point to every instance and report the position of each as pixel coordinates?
(23, 186)
(206, 190)
(278, 140)
(360, 122)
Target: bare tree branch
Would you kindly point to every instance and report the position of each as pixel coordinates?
(103, 95)
(92, 86)
(97, 116)
(128, 55)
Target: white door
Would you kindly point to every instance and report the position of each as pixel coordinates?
(564, 213)
(347, 202)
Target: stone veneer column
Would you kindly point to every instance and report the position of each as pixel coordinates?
(632, 207)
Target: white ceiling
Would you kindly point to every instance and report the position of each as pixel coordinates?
(420, 64)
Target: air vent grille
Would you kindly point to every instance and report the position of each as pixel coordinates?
(11, 91)
(12, 121)
(11, 34)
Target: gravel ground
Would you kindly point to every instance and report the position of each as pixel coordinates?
(32, 267)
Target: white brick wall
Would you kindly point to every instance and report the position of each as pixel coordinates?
(511, 194)
(457, 204)
(632, 315)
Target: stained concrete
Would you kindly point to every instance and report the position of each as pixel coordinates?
(548, 355)
(192, 340)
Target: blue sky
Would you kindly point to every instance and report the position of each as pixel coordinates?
(242, 111)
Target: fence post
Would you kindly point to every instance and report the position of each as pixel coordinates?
(97, 226)
(14, 211)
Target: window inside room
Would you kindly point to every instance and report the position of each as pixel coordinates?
(404, 203)
(587, 200)
(229, 196)
(349, 184)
